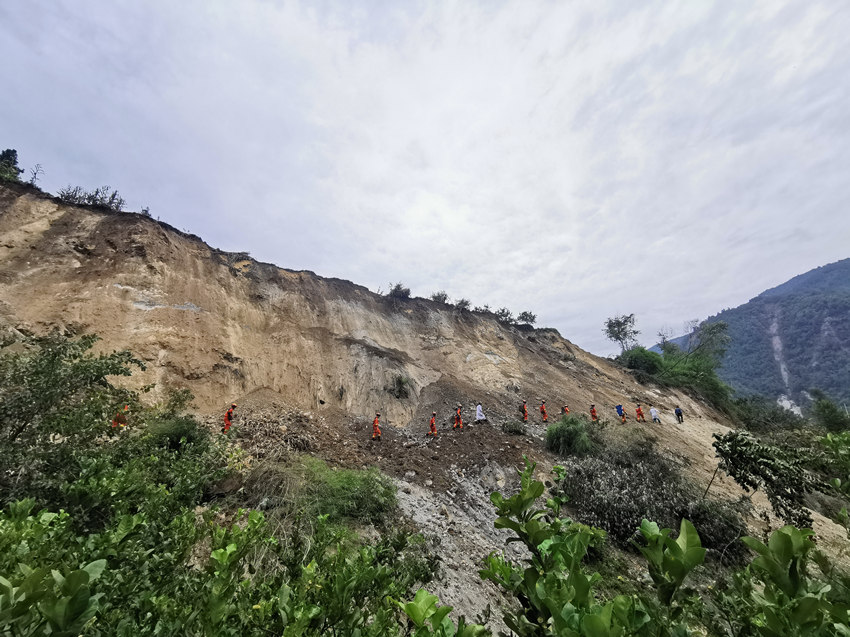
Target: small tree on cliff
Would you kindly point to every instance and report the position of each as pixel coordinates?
(9, 170)
(527, 317)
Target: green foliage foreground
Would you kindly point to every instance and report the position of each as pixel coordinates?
(113, 532)
(775, 596)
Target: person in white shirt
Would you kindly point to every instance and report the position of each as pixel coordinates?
(654, 413)
(479, 413)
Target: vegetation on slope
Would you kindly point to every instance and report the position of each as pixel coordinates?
(114, 531)
(811, 314)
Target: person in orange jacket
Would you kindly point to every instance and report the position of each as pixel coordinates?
(458, 420)
(433, 425)
(543, 413)
(228, 418)
(120, 419)
(593, 415)
(376, 428)
(639, 417)
(565, 410)
(524, 410)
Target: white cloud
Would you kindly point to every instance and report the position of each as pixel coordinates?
(576, 159)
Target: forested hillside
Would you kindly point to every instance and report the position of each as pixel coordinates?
(792, 338)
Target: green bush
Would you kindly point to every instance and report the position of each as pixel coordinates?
(177, 431)
(306, 487)
(9, 170)
(570, 436)
(827, 414)
(641, 359)
(399, 291)
(132, 509)
(103, 196)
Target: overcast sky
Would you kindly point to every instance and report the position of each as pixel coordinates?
(576, 159)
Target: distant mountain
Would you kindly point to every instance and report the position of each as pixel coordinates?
(792, 338)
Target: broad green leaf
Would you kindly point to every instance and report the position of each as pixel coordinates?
(95, 569)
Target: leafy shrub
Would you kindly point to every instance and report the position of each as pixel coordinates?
(177, 431)
(570, 436)
(776, 595)
(618, 488)
(779, 471)
(53, 387)
(515, 428)
(440, 296)
(399, 291)
(463, 304)
(529, 318)
(9, 170)
(306, 486)
(132, 509)
(504, 315)
(101, 196)
(641, 359)
(827, 414)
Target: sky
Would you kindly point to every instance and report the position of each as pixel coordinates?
(578, 159)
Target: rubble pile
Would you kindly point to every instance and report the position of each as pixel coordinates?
(271, 432)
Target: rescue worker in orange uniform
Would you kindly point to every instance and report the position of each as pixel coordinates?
(593, 415)
(433, 425)
(639, 414)
(376, 428)
(565, 410)
(543, 411)
(228, 419)
(458, 420)
(120, 419)
(524, 410)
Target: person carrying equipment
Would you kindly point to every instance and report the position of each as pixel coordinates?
(479, 414)
(680, 415)
(593, 415)
(565, 410)
(433, 425)
(458, 420)
(543, 413)
(621, 413)
(639, 417)
(654, 413)
(228, 419)
(376, 428)
(120, 419)
(524, 411)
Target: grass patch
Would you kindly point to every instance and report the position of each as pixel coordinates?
(570, 436)
(305, 487)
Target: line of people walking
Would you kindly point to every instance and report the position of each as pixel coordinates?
(457, 417)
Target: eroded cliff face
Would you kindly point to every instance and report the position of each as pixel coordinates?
(222, 324)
